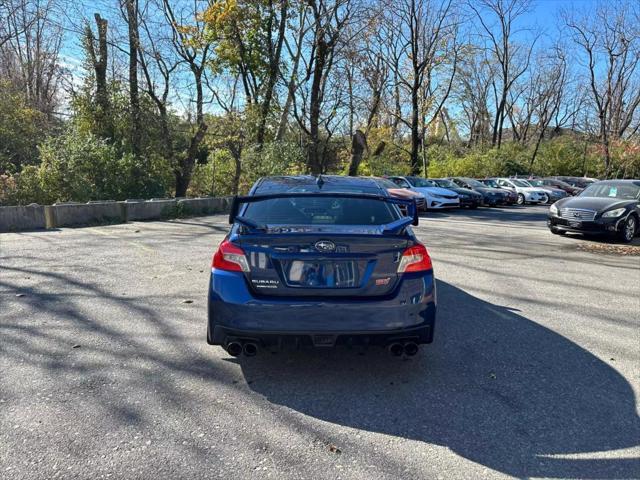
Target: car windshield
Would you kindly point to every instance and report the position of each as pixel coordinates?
(623, 191)
(491, 183)
(472, 182)
(559, 183)
(321, 211)
(385, 183)
(421, 182)
(536, 183)
(520, 183)
(444, 183)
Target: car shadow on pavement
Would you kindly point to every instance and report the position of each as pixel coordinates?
(495, 387)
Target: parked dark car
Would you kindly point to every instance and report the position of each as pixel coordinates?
(320, 262)
(491, 197)
(553, 194)
(468, 198)
(578, 182)
(554, 182)
(512, 197)
(610, 206)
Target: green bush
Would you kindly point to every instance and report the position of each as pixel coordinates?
(21, 128)
(214, 178)
(276, 158)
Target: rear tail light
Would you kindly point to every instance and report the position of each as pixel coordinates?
(230, 257)
(415, 259)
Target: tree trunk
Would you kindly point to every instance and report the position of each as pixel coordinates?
(99, 61)
(315, 165)
(134, 99)
(497, 124)
(185, 170)
(284, 117)
(238, 171)
(415, 130)
(358, 146)
(274, 71)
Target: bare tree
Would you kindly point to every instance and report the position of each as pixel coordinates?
(98, 53)
(427, 42)
(30, 44)
(610, 43)
(329, 22)
(294, 50)
(187, 39)
(158, 63)
(473, 89)
(549, 89)
(274, 53)
(8, 10)
(497, 19)
(130, 9)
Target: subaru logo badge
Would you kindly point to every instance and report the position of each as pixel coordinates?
(325, 246)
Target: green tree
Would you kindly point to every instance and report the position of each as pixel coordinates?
(21, 128)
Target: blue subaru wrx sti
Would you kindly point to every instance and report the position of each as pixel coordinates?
(321, 261)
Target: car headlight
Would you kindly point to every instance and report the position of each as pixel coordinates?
(613, 213)
(464, 195)
(553, 209)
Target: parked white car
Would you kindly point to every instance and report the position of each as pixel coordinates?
(437, 197)
(526, 193)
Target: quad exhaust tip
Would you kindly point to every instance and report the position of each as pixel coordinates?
(234, 349)
(396, 349)
(250, 349)
(410, 349)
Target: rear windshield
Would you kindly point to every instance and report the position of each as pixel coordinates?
(321, 211)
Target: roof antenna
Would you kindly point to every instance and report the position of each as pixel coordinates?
(319, 181)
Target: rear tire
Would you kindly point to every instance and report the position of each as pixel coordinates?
(521, 200)
(629, 229)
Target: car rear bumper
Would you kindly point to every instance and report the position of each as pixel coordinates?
(287, 339)
(598, 226)
(235, 312)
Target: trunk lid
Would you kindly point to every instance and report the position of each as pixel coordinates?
(319, 265)
(330, 244)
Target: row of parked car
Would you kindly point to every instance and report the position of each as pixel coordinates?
(577, 205)
(456, 192)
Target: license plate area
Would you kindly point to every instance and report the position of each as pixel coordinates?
(575, 224)
(321, 273)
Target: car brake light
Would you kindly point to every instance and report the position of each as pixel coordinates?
(415, 259)
(230, 257)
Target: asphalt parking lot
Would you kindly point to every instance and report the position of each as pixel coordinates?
(105, 372)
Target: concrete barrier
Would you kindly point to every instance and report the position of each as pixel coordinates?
(151, 210)
(203, 206)
(72, 215)
(30, 217)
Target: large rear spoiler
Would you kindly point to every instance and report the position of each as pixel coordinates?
(411, 217)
